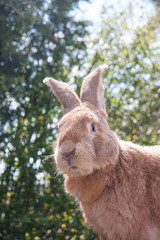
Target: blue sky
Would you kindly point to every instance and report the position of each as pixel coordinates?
(92, 11)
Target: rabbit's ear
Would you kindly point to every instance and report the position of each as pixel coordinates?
(64, 93)
(92, 89)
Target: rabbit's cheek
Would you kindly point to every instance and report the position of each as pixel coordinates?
(112, 150)
(85, 157)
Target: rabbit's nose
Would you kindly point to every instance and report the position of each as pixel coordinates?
(68, 155)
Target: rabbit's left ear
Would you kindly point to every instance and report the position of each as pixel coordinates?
(92, 89)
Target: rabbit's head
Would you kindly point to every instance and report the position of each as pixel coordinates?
(85, 142)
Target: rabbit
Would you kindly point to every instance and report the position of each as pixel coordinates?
(116, 183)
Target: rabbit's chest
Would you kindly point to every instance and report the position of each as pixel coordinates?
(115, 217)
(109, 217)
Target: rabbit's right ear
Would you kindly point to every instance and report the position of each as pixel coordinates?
(92, 89)
(64, 93)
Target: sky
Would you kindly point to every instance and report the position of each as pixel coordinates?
(92, 11)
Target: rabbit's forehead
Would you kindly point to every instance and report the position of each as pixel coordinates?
(80, 116)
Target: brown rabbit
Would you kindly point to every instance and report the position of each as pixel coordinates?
(117, 183)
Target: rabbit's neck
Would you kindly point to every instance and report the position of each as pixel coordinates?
(89, 188)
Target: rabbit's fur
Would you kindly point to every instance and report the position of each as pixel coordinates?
(117, 183)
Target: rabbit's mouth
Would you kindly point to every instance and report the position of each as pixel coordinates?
(74, 167)
(74, 159)
(74, 171)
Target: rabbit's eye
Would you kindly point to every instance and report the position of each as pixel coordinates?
(93, 129)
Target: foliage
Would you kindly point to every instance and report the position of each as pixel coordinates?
(42, 38)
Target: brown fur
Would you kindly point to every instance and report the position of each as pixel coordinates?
(117, 183)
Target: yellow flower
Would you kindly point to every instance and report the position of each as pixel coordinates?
(82, 222)
(41, 91)
(21, 121)
(3, 201)
(58, 216)
(48, 190)
(26, 234)
(65, 215)
(26, 150)
(49, 231)
(13, 153)
(36, 219)
(16, 164)
(23, 134)
(45, 205)
(31, 212)
(52, 195)
(71, 210)
(9, 194)
(63, 225)
(71, 202)
(40, 118)
(50, 218)
(36, 238)
(73, 230)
